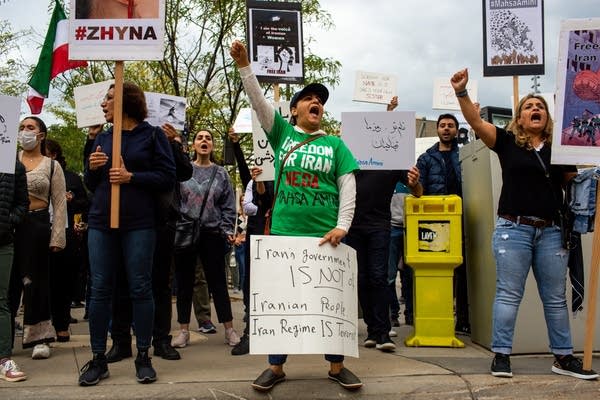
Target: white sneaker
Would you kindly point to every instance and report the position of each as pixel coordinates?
(393, 333)
(182, 340)
(40, 352)
(9, 371)
(231, 337)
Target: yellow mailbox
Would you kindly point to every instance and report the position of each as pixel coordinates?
(433, 248)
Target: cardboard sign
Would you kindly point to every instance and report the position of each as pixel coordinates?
(88, 99)
(576, 136)
(264, 156)
(303, 298)
(165, 108)
(372, 87)
(125, 34)
(9, 127)
(380, 140)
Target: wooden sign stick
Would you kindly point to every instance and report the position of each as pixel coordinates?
(515, 94)
(115, 193)
(592, 292)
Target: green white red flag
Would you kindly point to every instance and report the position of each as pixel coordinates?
(54, 59)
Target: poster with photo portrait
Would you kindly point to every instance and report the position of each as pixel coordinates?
(513, 37)
(275, 41)
(164, 108)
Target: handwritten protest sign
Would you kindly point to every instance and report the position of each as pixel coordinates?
(93, 35)
(88, 99)
(243, 121)
(303, 297)
(372, 87)
(264, 156)
(380, 140)
(444, 97)
(9, 126)
(165, 108)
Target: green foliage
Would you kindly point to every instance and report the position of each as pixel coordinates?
(12, 65)
(197, 66)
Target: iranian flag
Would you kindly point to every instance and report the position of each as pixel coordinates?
(54, 60)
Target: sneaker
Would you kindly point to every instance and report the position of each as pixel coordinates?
(501, 366)
(207, 327)
(393, 333)
(370, 341)
(572, 366)
(118, 352)
(94, 370)
(346, 379)
(231, 337)
(267, 380)
(40, 352)
(385, 344)
(9, 371)
(243, 347)
(182, 340)
(144, 372)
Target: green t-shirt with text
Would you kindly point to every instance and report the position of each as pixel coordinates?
(308, 197)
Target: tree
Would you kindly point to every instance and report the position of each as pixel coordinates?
(12, 65)
(197, 65)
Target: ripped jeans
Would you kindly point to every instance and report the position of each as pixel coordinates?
(518, 247)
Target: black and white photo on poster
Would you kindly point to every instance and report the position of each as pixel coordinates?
(513, 33)
(275, 41)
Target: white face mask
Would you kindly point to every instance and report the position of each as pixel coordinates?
(27, 139)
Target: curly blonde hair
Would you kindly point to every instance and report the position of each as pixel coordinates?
(522, 139)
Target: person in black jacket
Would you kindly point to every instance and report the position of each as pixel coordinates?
(168, 206)
(14, 203)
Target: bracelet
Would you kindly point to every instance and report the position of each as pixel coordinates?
(461, 93)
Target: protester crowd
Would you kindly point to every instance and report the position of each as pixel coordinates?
(179, 222)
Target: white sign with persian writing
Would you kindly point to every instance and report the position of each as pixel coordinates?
(444, 97)
(303, 297)
(9, 126)
(264, 156)
(380, 140)
(373, 87)
(88, 99)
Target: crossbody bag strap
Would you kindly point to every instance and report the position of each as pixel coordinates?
(547, 174)
(302, 143)
(212, 178)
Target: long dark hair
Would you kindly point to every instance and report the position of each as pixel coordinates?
(53, 147)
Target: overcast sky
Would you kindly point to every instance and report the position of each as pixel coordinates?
(415, 40)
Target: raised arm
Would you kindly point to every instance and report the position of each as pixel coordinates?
(485, 130)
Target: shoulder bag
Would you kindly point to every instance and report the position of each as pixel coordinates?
(187, 230)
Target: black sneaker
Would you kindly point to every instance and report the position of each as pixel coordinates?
(346, 379)
(166, 351)
(501, 366)
(572, 366)
(93, 371)
(370, 341)
(143, 368)
(385, 343)
(118, 352)
(267, 380)
(243, 347)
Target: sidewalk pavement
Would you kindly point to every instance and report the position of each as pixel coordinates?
(207, 370)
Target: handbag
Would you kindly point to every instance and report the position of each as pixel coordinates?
(565, 216)
(187, 230)
(269, 212)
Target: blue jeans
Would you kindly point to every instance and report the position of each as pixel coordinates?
(240, 260)
(372, 252)
(133, 251)
(516, 249)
